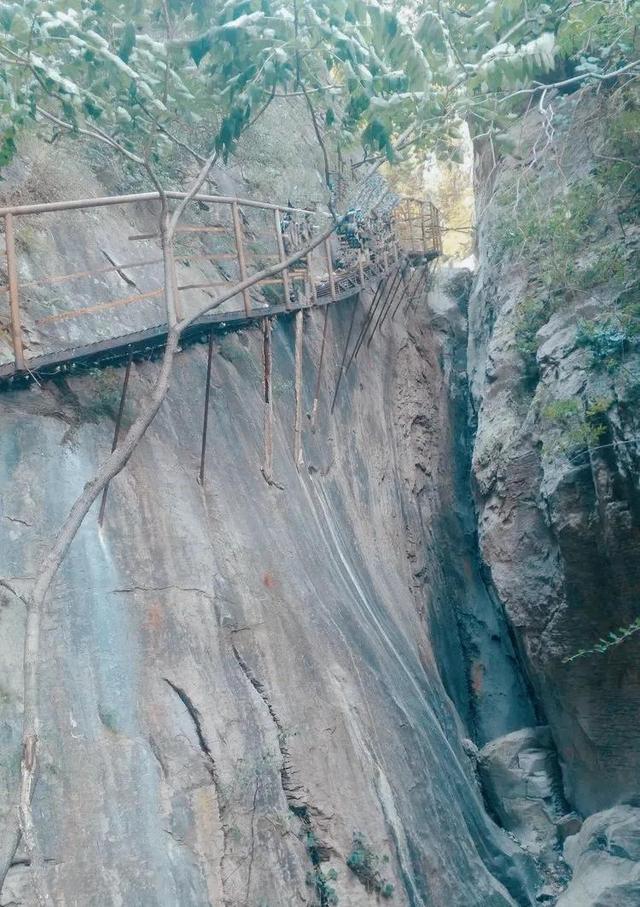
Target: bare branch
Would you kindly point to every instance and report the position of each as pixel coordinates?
(96, 134)
(323, 148)
(195, 188)
(600, 77)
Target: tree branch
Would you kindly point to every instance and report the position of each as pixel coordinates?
(601, 77)
(96, 134)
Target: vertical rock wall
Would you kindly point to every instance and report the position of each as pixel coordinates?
(240, 684)
(556, 453)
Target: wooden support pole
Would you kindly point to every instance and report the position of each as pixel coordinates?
(312, 297)
(267, 361)
(344, 354)
(332, 283)
(205, 419)
(297, 426)
(410, 219)
(379, 293)
(360, 268)
(414, 280)
(14, 300)
(316, 395)
(401, 284)
(116, 433)
(382, 307)
(282, 256)
(422, 284)
(242, 266)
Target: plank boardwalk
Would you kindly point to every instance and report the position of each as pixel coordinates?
(222, 242)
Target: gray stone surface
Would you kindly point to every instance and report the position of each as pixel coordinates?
(471, 637)
(561, 538)
(605, 858)
(522, 786)
(229, 668)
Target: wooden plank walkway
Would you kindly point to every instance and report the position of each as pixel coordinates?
(373, 260)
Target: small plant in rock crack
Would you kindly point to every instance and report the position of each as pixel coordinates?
(325, 892)
(575, 426)
(316, 878)
(614, 638)
(607, 339)
(365, 864)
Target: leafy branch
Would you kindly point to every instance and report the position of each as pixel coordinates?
(614, 638)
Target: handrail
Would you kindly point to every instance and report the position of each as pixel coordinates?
(381, 244)
(106, 200)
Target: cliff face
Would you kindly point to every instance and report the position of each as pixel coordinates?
(237, 679)
(554, 373)
(259, 696)
(256, 696)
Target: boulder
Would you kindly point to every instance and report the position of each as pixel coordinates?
(605, 859)
(522, 786)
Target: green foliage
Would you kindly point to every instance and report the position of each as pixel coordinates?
(606, 340)
(577, 427)
(365, 864)
(317, 879)
(144, 72)
(320, 882)
(563, 244)
(619, 167)
(532, 314)
(609, 265)
(550, 229)
(614, 638)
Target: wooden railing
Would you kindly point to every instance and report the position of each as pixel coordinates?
(416, 224)
(221, 242)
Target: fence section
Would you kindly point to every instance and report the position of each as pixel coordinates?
(60, 290)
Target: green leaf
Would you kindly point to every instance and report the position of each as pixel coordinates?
(7, 146)
(200, 48)
(128, 42)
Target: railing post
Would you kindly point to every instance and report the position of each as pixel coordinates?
(267, 466)
(14, 301)
(332, 283)
(298, 458)
(281, 253)
(314, 408)
(312, 285)
(205, 420)
(435, 215)
(360, 268)
(410, 219)
(237, 232)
